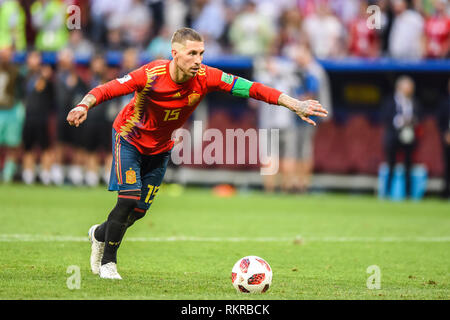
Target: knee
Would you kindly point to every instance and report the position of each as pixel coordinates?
(128, 200)
(127, 205)
(139, 213)
(135, 215)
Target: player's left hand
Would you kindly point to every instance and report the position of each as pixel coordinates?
(307, 108)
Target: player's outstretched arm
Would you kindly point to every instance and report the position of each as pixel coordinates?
(134, 81)
(240, 87)
(78, 114)
(304, 109)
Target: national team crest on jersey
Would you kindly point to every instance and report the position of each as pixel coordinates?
(130, 176)
(193, 99)
(227, 78)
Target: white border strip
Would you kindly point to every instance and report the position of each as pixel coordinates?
(297, 239)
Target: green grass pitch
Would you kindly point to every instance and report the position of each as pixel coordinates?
(319, 246)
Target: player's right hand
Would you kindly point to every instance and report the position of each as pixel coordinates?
(77, 115)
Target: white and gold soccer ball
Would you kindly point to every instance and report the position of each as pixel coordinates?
(251, 274)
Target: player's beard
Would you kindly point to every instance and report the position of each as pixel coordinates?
(187, 71)
(192, 72)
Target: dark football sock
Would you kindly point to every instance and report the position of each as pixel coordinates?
(135, 215)
(99, 233)
(116, 225)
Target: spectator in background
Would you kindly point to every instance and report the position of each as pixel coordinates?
(49, 19)
(137, 24)
(39, 104)
(363, 42)
(386, 17)
(11, 112)
(324, 32)
(424, 7)
(156, 7)
(406, 35)
(68, 88)
(235, 5)
(251, 33)
(443, 118)
(175, 14)
(96, 126)
(99, 10)
(437, 31)
(114, 40)
(160, 47)
(289, 34)
(314, 86)
(12, 25)
(278, 73)
(130, 61)
(105, 17)
(79, 45)
(346, 10)
(274, 9)
(210, 21)
(307, 7)
(400, 116)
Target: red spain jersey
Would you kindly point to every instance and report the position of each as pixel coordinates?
(160, 105)
(437, 31)
(362, 39)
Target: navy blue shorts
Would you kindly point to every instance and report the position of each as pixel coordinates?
(132, 170)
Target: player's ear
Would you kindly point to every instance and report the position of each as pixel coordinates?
(174, 53)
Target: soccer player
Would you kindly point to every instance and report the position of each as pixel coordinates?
(166, 92)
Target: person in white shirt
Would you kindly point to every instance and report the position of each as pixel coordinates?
(324, 33)
(406, 36)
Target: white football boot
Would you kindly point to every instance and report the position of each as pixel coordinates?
(97, 249)
(109, 271)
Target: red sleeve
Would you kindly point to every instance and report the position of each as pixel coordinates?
(134, 81)
(217, 80)
(264, 93)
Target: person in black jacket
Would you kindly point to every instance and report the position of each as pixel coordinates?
(39, 104)
(444, 128)
(68, 87)
(400, 115)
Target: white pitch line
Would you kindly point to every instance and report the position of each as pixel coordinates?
(55, 238)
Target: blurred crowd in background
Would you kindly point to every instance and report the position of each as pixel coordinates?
(285, 39)
(332, 28)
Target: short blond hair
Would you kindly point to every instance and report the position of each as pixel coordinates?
(184, 34)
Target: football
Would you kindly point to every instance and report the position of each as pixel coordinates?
(251, 274)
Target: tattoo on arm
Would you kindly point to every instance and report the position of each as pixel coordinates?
(291, 103)
(89, 100)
